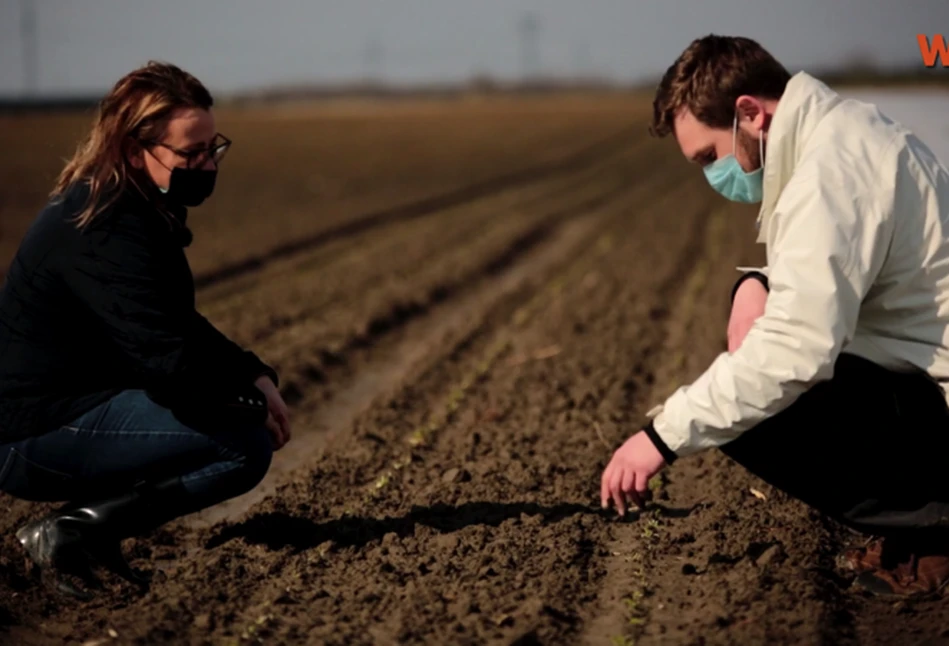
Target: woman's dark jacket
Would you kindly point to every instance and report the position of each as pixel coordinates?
(85, 314)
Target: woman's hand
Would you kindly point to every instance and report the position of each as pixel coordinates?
(278, 418)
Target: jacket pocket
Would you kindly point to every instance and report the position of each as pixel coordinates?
(22, 478)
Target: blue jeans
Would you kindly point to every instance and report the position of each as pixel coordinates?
(127, 441)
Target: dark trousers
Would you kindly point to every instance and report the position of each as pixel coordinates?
(128, 441)
(869, 448)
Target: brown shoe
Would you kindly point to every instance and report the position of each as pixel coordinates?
(862, 559)
(897, 569)
(923, 576)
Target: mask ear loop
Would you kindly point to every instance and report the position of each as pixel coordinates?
(735, 134)
(761, 148)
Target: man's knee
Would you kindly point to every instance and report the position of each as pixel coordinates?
(758, 279)
(748, 299)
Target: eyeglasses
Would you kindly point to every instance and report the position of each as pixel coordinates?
(196, 158)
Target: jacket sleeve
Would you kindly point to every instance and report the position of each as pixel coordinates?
(828, 247)
(121, 277)
(229, 354)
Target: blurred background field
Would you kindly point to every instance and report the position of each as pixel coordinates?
(342, 110)
(296, 170)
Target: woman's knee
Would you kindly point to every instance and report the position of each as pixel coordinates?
(238, 464)
(256, 458)
(239, 461)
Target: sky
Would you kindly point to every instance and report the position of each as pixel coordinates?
(84, 46)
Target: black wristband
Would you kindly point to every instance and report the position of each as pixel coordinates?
(757, 275)
(667, 454)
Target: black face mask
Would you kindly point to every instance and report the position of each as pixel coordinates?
(190, 186)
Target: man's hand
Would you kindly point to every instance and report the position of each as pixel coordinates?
(626, 477)
(278, 419)
(747, 307)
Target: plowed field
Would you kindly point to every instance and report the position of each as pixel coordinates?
(471, 305)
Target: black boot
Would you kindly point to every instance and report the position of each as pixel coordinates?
(75, 535)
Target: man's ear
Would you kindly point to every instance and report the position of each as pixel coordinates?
(751, 109)
(134, 153)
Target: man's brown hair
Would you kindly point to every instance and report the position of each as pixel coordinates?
(709, 76)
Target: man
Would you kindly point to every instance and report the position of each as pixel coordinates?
(833, 386)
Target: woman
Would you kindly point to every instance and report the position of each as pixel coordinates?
(116, 395)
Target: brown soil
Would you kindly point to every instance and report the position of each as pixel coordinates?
(465, 333)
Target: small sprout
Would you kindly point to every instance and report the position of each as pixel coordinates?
(650, 528)
(632, 601)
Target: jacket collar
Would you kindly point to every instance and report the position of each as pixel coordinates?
(800, 110)
(175, 216)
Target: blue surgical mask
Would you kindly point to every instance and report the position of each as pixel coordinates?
(727, 176)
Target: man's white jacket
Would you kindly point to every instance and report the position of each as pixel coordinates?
(855, 219)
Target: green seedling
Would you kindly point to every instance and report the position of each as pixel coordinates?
(402, 462)
(650, 528)
(417, 437)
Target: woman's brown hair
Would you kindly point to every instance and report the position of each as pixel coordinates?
(135, 110)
